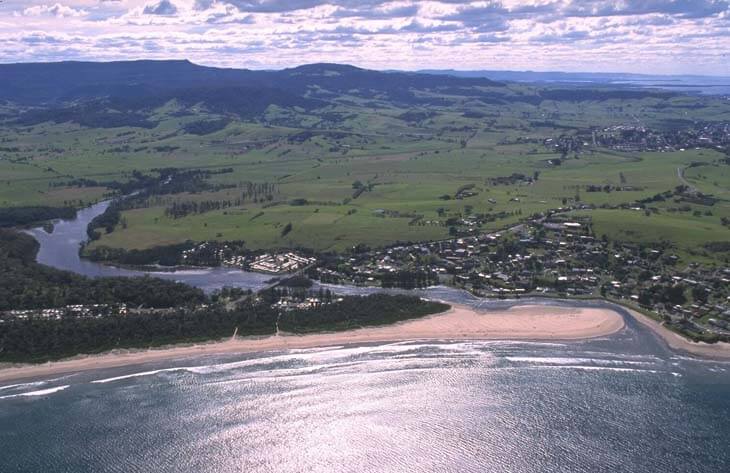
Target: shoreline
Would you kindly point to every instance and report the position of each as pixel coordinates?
(521, 322)
(678, 343)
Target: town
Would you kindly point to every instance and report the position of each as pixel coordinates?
(639, 138)
(550, 256)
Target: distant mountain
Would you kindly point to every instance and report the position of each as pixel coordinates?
(115, 94)
(48, 83)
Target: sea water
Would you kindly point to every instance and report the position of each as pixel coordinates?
(620, 403)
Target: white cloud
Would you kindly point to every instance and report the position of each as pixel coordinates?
(626, 35)
(56, 10)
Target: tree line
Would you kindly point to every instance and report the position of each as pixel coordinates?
(20, 216)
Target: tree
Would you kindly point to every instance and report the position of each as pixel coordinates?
(285, 231)
(699, 294)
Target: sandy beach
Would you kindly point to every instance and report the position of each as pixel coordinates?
(678, 342)
(528, 322)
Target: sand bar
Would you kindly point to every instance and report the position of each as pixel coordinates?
(528, 322)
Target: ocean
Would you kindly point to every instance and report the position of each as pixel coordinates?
(621, 403)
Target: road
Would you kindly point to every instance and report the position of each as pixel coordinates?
(680, 175)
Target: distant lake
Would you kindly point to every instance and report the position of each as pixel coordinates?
(707, 85)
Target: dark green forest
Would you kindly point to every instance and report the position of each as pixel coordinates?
(354, 312)
(25, 284)
(20, 216)
(38, 340)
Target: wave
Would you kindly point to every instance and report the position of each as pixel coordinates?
(40, 392)
(324, 358)
(137, 375)
(608, 368)
(583, 368)
(21, 385)
(406, 355)
(573, 361)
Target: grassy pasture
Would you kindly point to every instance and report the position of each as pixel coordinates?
(409, 166)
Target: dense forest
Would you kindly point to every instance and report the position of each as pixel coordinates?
(25, 284)
(188, 253)
(37, 339)
(19, 216)
(354, 312)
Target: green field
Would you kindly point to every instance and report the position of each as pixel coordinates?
(408, 167)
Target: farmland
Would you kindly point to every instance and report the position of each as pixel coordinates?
(376, 172)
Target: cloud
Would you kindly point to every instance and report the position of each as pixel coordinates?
(203, 4)
(490, 17)
(491, 38)
(360, 7)
(417, 26)
(164, 8)
(226, 18)
(41, 38)
(404, 11)
(56, 10)
(270, 6)
(681, 8)
(563, 37)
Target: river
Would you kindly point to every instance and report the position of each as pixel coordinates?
(60, 249)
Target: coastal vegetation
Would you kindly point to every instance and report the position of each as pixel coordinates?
(355, 312)
(49, 314)
(39, 339)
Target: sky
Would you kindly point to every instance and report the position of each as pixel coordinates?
(641, 36)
